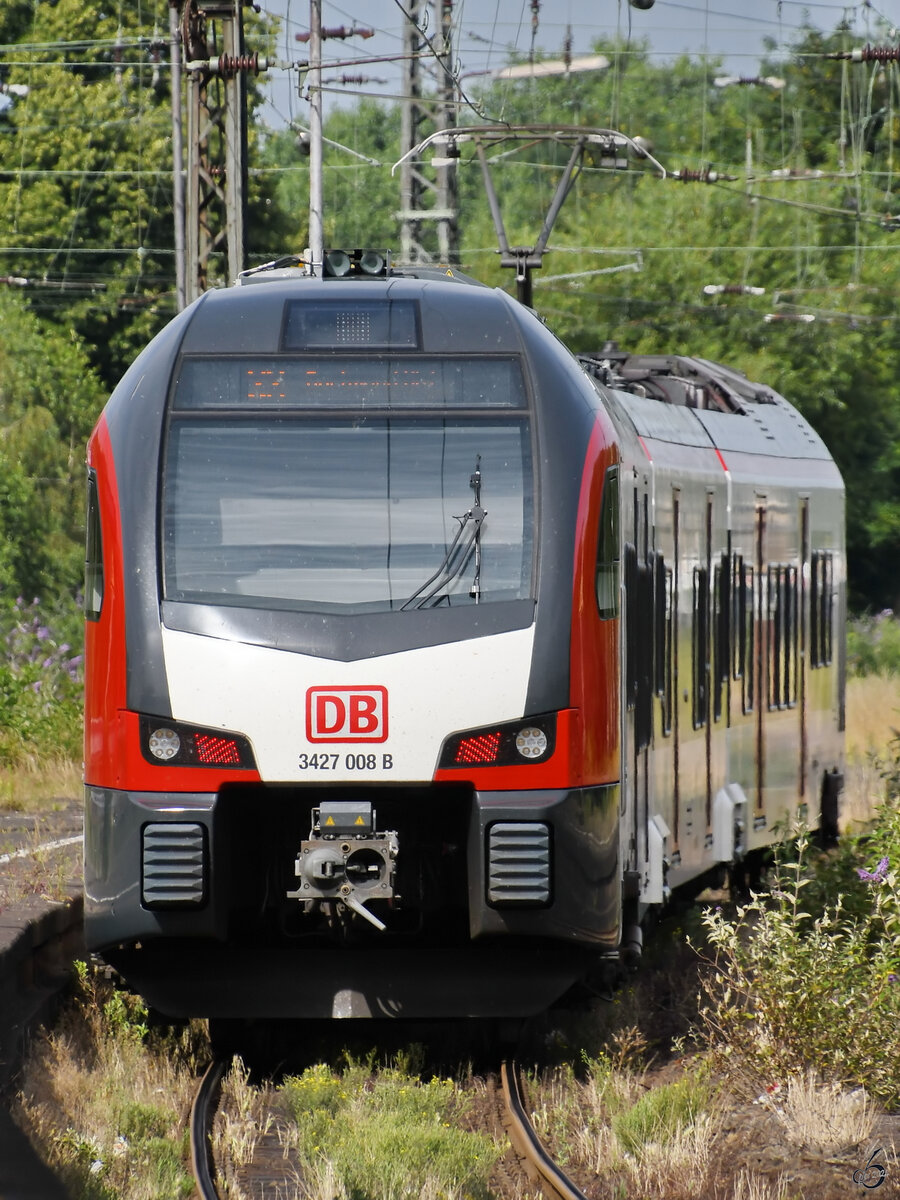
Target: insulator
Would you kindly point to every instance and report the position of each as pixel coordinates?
(867, 53)
(733, 289)
(686, 175)
(230, 64)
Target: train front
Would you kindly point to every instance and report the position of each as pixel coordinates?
(336, 761)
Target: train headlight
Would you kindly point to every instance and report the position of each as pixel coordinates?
(337, 263)
(501, 745)
(369, 264)
(164, 744)
(531, 742)
(179, 745)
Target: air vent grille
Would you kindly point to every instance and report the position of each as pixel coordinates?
(518, 864)
(174, 865)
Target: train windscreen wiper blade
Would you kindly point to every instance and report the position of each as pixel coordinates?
(466, 539)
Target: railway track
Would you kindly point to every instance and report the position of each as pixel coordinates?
(525, 1143)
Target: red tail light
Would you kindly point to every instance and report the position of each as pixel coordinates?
(480, 748)
(216, 751)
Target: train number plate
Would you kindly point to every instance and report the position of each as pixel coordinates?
(363, 761)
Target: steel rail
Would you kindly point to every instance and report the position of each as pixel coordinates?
(202, 1111)
(525, 1140)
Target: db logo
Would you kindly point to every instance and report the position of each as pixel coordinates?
(347, 714)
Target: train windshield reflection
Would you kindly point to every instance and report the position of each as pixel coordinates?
(343, 514)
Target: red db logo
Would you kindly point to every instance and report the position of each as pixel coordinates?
(347, 714)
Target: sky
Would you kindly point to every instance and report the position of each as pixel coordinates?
(489, 31)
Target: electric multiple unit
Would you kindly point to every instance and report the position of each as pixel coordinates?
(423, 658)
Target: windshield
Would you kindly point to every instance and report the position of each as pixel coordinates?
(349, 512)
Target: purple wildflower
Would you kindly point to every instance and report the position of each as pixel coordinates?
(876, 876)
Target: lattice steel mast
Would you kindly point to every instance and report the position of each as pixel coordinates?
(429, 219)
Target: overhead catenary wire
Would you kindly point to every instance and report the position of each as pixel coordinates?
(809, 206)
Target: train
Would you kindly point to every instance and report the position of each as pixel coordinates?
(426, 660)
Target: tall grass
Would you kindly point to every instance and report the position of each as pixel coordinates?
(106, 1105)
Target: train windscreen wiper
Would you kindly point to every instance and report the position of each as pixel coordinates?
(466, 541)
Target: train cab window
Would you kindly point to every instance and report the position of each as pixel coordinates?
(821, 584)
(93, 556)
(608, 547)
(297, 501)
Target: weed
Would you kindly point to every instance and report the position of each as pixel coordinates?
(39, 868)
(388, 1136)
(796, 986)
(120, 1103)
(662, 1115)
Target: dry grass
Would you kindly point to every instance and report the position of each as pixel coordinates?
(873, 721)
(39, 786)
(748, 1186)
(823, 1116)
(104, 1109)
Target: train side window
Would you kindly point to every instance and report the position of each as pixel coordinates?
(608, 548)
(701, 647)
(820, 608)
(93, 552)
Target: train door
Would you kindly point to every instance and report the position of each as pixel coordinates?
(761, 662)
(803, 666)
(640, 640)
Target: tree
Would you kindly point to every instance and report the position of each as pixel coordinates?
(49, 398)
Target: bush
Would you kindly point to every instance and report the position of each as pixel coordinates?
(794, 987)
(873, 645)
(40, 683)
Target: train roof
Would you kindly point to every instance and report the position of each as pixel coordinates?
(687, 401)
(673, 399)
(455, 313)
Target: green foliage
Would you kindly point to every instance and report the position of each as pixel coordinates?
(49, 398)
(40, 683)
(385, 1137)
(660, 1114)
(873, 645)
(799, 983)
(86, 217)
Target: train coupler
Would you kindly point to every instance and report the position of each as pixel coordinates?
(345, 859)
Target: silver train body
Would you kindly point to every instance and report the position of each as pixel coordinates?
(424, 658)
